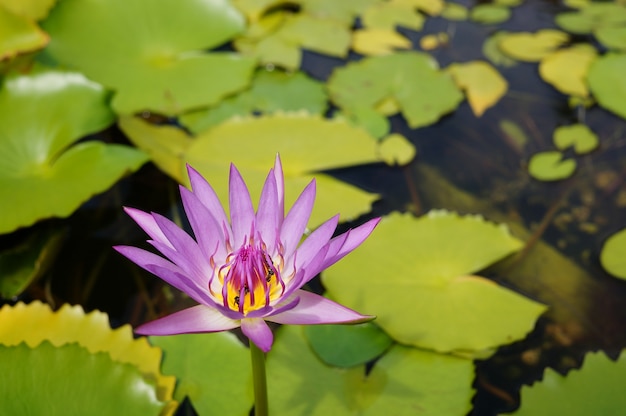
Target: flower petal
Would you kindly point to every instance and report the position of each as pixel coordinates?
(280, 187)
(312, 245)
(208, 232)
(241, 210)
(268, 218)
(295, 223)
(196, 319)
(258, 332)
(147, 223)
(205, 193)
(182, 242)
(315, 309)
(345, 243)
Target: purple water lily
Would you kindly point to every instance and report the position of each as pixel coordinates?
(250, 270)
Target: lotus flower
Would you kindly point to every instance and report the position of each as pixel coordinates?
(249, 270)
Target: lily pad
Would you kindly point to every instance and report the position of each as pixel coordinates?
(395, 149)
(146, 56)
(608, 83)
(434, 40)
(378, 41)
(430, 7)
(33, 9)
(38, 380)
(347, 345)
(492, 51)
(19, 34)
(595, 389)
(613, 255)
(612, 37)
(482, 83)
(252, 143)
(403, 380)
(390, 15)
(550, 166)
(35, 323)
(212, 369)
(532, 47)
(423, 93)
(490, 14)
(271, 91)
(454, 11)
(42, 172)
(566, 69)
(578, 135)
(416, 276)
(593, 16)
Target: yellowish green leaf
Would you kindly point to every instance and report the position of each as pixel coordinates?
(612, 37)
(434, 40)
(482, 83)
(550, 166)
(594, 16)
(32, 9)
(508, 3)
(490, 14)
(395, 149)
(577, 135)
(343, 11)
(19, 34)
(613, 255)
(378, 41)
(492, 51)
(391, 14)
(608, 83)
(566, 69)
(431, 7)
(454, 11)
(532, 47)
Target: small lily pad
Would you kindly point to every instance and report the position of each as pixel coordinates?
(490, 14)
(566, 69)
(378, 41)
(613, 255)
(390, 15)
(532, 47)
(482, 83)
(395, 149)
(578, 135)
(550, 166)
(38, 380)
(492, 51)
(608, 83)
(454, 11)
(593, 16)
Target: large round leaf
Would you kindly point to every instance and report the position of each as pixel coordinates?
(403, 380)
(18, 34)
(212, 369)
(566, 69)
(414, 274)
(151, 53)
(41, 174)
(608, 83)
(69, 380)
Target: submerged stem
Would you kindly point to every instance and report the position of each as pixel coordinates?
(259, 380)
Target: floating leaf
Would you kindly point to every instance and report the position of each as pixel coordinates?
(428, 290)
(608, 83)
(492, 51)
(578, 135)
(35, 323)
(613, 255)
(482, 83)
(595, 389)
(508, 3)
(490, 14)
(49, 380)
(550, 166)
(454, 11)
(612, 37)
(41, 172)
(431, 7)
(271, 91)
(33, 9)
(213, 370)
(18, 34)
(532, 47)
(251, 142)
(412, 79)
(154, 64)
(593, 16)
(389, 15)
(22, 264)
(347, 345)
(566, 69)
(434, 40)
(343, 11)
(378, 41)
(395, 149)
(403, 380)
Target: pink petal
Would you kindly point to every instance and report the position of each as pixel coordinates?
(196, 319)
(258, 332)
(312, 245)
(280, 187)
(205, 193)
(147, 223)
(295, 223)
(345, 243)
(241, 210)
(315, 309)
(268, 217)
(182, 242)
(208, 232)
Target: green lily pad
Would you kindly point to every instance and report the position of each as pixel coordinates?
(41, 172)
(347, 345)
(423, 93)
(373, 42)
(415, 275)
(593, 16)
(482, 83)
(608, 83)
(403, 380)
(613, 255)
(566, 69)
(454, 11)
(490, 14)
(147, 56)
(395, 149)
(33, 9)
(578, 135)
(19, 34)
(595, 389)
(550, 166)
(252, 144)
(212, 369)
(343, 11)
(23, 264)
(492, 51)
(39, 380)
(612, 37)
(389, 15)
(532, 47)
(271, 91)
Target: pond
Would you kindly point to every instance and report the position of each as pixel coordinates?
(489, 137)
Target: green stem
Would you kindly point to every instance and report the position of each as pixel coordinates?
(260, 383)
